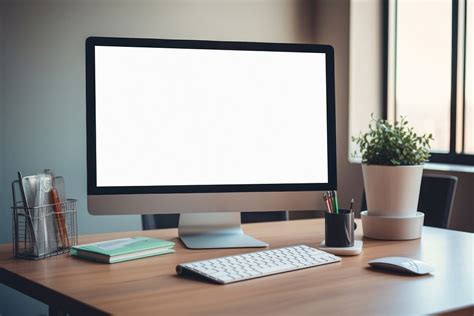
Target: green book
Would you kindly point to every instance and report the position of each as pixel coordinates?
(124, 249)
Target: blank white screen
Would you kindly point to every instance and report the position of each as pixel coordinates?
(169, 116)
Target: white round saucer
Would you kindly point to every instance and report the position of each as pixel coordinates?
(392, 228)
(343, 251)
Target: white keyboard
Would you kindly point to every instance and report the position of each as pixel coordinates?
(257, 264)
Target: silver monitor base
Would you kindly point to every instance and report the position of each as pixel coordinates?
(214, 230)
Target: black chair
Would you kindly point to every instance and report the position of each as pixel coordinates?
(161, 221)
(436, 199)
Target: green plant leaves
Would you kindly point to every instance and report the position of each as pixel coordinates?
(396, 145)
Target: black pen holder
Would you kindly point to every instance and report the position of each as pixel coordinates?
(339, 229)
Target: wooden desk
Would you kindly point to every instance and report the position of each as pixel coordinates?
(150, 286)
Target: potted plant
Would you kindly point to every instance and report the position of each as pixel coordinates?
(392, 164)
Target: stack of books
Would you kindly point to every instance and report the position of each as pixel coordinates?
(124, 249)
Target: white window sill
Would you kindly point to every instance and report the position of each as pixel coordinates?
(449, 167)
(435, 166)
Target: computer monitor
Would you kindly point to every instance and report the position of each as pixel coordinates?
(208, 129)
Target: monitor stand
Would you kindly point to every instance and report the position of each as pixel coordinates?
(214, 230)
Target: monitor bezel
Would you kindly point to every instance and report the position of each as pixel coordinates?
(93, 189)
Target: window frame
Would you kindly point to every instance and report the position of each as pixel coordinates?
(389, 111)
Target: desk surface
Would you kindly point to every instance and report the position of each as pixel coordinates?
(150, 286)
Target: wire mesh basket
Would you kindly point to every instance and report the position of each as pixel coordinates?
(44, 231)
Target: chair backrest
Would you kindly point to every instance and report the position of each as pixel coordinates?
(160, 221)
(436, 199)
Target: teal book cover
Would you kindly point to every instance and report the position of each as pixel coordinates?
(124, 246)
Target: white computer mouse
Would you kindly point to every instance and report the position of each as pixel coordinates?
(402, 264)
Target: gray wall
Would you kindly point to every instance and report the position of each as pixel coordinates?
(44, 100)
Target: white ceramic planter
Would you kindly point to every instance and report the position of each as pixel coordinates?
(392, 190)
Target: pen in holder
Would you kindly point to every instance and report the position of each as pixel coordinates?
(339, 228)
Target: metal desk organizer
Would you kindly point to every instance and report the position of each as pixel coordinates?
(42, 231)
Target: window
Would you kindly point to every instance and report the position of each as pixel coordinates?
(469, 81)
(429, 58)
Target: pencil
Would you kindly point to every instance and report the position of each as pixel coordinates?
(27, 209)
(335, 202)
(330, 200)
(352, 204)
(326, 200)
